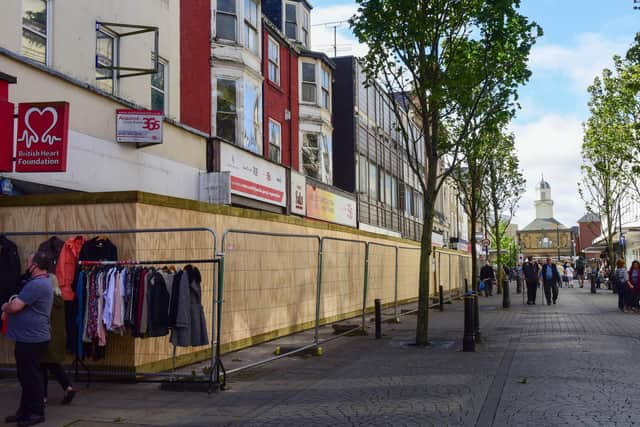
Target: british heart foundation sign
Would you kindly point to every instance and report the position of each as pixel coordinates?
(41, 142)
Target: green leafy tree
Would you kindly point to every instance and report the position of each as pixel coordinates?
(454, 65)
(607, 151)
(504, 187)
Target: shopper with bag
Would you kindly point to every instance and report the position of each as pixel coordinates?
(28, 325)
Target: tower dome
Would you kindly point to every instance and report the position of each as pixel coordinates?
(544, 203)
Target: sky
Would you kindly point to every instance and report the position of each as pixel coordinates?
(580, 38)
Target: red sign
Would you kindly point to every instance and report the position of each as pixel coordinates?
(6, 136)
(41, 144)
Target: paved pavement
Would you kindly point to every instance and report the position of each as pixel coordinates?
(574, 363)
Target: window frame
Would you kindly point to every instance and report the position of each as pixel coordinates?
(47, 39)
(304, 28)
(287, 21)
(235, 22)
(115, 60)
(307, 149)
(279, 143)
(165, 91)
(309, 83)
(249, 26)
(227, 113)
(325, 98)
(270, 62)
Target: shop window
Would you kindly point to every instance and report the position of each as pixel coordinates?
(326, 90)
(305, 29)
(274, 61)
(226, 115)
(373, 182)
(35, 31)
(308, 82)
(275, 141)
(252, 139)
(363, 174)
(291, 21)
(106, 56)
(251, 25)
(226, 20)
(159, 88)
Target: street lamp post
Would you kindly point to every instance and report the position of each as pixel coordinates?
(558, 240)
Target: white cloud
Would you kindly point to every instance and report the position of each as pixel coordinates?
(551, 145)
(322, 37)
(580, 62)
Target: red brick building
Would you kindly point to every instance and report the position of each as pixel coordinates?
(280, 95)
(589, 227)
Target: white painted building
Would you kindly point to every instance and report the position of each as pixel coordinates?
(81, 53)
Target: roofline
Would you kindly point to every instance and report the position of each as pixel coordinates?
(317, 55)
(8, 78)
(270, 26)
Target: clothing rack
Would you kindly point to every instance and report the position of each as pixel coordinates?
(216, 365)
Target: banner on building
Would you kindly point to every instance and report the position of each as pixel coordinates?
(252, 176)
(41, 143)
(437, 239)
(298, 194)
(327, 206)
(6, 136)
(139, 126)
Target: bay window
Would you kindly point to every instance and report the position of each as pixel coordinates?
(226, 20)
(251, 25)
(326, 90)
(226, 115)
(252, 138)
(316, 156)
(308, 82)
(291, 21)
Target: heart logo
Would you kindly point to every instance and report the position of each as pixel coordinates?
(47, 119)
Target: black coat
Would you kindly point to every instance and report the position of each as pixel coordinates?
(554, 272)
(98, 249)
(487, 272)
(9, 269)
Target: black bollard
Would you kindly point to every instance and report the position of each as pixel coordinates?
(466, 286)
(506, 298)
(593, 283)
(476, 318)
(441, 298)
(378, 319)
(468, 341)
(519, 285)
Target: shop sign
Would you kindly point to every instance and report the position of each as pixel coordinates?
(327, 206)
(437, 239)
(252, 176)
(463, 246)
(6, 136)
(41, 144)
(298, 194)
(140, 126)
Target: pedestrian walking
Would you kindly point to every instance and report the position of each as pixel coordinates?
(550, 277)
(634, 281)
(530, 273)
(621, 277)
(581, 271)
(569, 273)
(488, 276)
(28, 325)
(56, 350)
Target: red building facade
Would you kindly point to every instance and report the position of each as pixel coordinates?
(280, 97)
(589, 228)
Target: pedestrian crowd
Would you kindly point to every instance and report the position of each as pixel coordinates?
(34, 320)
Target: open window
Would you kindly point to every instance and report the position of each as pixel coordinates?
(35, 30)
(115, 44)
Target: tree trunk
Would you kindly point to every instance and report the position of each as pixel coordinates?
(498, 237)
(422, 327)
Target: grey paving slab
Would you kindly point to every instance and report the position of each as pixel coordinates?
(573, 363)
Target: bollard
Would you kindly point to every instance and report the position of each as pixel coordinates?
(506, 298)
(593, 283)
(466, 286)
(441, 298)
(476, 318)
(518, 285)
(468, 341)
(378, 319)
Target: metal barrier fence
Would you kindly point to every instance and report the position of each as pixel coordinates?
(274, 284)
(141, 359)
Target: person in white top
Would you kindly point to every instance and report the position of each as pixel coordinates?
(570, 273)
